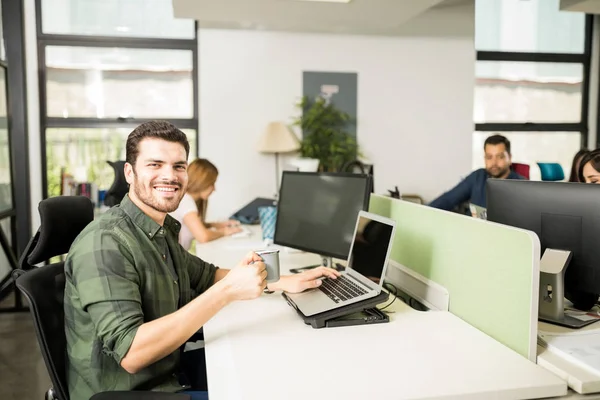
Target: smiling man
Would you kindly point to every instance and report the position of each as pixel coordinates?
(133, 295)
(472, 188)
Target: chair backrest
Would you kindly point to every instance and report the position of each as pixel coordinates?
(44, 289)
(62, 219)
(521, 169)
(551, 172)
(119, 187)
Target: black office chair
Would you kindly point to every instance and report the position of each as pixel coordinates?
(62, 219)
(119, 187)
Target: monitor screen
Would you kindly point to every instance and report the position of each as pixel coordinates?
(317, 212)
(370, 248)
(565, 216)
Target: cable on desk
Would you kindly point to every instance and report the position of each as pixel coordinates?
(394, 290)
(411, 302)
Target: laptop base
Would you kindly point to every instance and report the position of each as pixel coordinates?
(360, 313)
(365, 317)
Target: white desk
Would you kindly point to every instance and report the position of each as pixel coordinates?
(578, 378)
(261, 349)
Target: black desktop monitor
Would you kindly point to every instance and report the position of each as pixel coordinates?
(317, 212)
(565, 216)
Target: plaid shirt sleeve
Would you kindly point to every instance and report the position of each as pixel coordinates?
(108, 286)
(202, 274)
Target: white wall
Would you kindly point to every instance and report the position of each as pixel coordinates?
(415, 101)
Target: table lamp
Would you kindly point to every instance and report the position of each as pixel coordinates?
(277, 138)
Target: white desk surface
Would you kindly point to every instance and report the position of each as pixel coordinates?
(261, 349)
(578, 378)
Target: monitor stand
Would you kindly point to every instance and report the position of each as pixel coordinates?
(552, 290)
(325, 261)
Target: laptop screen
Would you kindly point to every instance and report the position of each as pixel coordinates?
(370, 248)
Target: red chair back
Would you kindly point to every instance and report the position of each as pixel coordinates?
(521, 169)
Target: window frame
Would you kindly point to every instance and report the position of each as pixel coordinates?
(585, 59)
(45, 39)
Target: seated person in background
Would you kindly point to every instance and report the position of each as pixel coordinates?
(589, 167)
(134, 296)
(202, 176)
(472, 188)
(574, 177)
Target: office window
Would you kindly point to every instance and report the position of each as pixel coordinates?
(106, 67)
(83, 153)
(527, 92)
(5, 267)
(2, 48)
(532, 74)
(116, 82)
(533, 147)
(530, 26)
(6, 200)
(127, 18)
(6, 227)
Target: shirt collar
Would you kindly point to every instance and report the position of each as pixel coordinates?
(145, 223)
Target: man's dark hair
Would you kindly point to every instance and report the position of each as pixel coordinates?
(155, 130)
(498, 139)
(592, 157)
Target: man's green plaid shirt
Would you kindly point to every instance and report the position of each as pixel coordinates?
(124, 270)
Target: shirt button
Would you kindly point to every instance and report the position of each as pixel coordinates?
(161, 231)
(164, 257)
(175, 282)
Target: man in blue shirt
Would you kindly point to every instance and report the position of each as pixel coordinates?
(472, 188)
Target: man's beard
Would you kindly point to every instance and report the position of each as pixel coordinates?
(497, 173)
(146, 195)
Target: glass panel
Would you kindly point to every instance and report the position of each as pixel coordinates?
(6, 202)
(5, 268)
(83, 153)
(527, 92)
(132, 18)
(532, 147)
(2, 48)
(536, 26)
(100, 82)
(5, 225)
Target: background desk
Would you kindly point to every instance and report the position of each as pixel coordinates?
(578, 378)
(261, 349)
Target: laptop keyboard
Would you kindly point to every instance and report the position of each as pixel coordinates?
(341, 289)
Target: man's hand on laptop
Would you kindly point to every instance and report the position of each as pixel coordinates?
(305, 280)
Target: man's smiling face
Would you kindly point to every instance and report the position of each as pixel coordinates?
(159, 177)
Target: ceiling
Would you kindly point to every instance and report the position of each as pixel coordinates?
(586, 6)
(366, 17)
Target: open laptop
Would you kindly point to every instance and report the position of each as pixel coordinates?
(364, 274)
(478, 211)
(249, 213)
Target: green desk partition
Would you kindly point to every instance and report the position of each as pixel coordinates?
(490, 270)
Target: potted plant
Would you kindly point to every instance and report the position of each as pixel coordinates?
(324, 134)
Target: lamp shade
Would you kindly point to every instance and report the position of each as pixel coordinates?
(277, 138)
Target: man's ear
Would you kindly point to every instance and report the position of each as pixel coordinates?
(129, 173)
